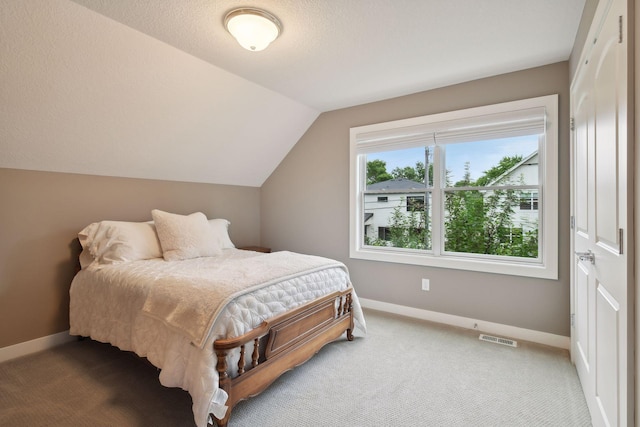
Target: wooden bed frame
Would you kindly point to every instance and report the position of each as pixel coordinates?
(291, 339)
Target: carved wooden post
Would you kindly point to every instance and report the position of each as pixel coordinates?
(221, 367)
(256, 352)
(348, 304)
(241, 361)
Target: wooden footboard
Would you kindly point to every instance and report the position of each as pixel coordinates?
(291, 339)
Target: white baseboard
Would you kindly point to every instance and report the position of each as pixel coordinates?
(44, 343)
(33, 346)
(468, 323)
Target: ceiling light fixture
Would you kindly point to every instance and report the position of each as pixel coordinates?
(253, 28)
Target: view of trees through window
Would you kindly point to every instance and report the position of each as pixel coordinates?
(407, 213)
(492, 210)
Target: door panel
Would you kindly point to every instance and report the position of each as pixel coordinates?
(606, 144)
(583, 127)
(607, 355)
(582, 320)
(600, 275)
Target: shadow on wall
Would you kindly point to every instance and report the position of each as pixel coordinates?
(65, 272)
(34, 287)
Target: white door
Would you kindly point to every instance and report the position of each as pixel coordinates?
(602, 342)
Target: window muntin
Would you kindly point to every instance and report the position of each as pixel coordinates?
(509, 238)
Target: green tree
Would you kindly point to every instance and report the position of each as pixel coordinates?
(506, 163)
(377, 172)
(464, 223)
(411, 173)
(407, 230)
(482, 221)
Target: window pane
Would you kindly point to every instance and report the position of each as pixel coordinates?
(397, 206)
(506, 161)
(404, 164)
(490, 223)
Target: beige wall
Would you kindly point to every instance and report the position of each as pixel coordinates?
(305, 208)
(43, 211)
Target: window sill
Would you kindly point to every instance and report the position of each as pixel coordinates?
(509, 267)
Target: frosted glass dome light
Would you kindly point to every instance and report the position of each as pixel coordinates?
(254, 29)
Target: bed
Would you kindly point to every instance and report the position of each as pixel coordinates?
(219, 322)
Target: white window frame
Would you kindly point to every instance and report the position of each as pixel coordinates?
(416, 129)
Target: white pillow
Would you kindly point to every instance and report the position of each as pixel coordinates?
(220, 229)
(185, 236)
(113, 242)
(85, 236)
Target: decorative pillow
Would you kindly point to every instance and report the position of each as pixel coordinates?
(113, 242)
(185, 236)
(221, 231)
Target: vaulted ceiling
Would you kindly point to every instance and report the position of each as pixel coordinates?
(338, 53)
(158, 89)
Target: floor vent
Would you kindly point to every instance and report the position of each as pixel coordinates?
(498, 340)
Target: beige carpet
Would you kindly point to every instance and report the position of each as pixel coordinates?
(404, 373)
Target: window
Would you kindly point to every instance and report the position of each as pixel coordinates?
(473, 189)
(529, 202)
(415, 203)
(384, 233)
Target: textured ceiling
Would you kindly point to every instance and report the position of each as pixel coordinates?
(158, 89)
(82, 93)
(338, 53)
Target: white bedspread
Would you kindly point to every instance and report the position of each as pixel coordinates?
(107, 305)
(190, 300)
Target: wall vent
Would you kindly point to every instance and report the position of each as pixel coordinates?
(498, 340)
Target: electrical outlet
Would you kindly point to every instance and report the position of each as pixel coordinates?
(425, 284)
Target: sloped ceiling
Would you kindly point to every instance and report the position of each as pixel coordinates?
(158, 89)
(338, 53)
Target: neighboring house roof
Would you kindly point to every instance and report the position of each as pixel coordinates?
(396, 185)
(524, 161)
(367, 216)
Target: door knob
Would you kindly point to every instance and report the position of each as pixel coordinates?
(587, 256)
